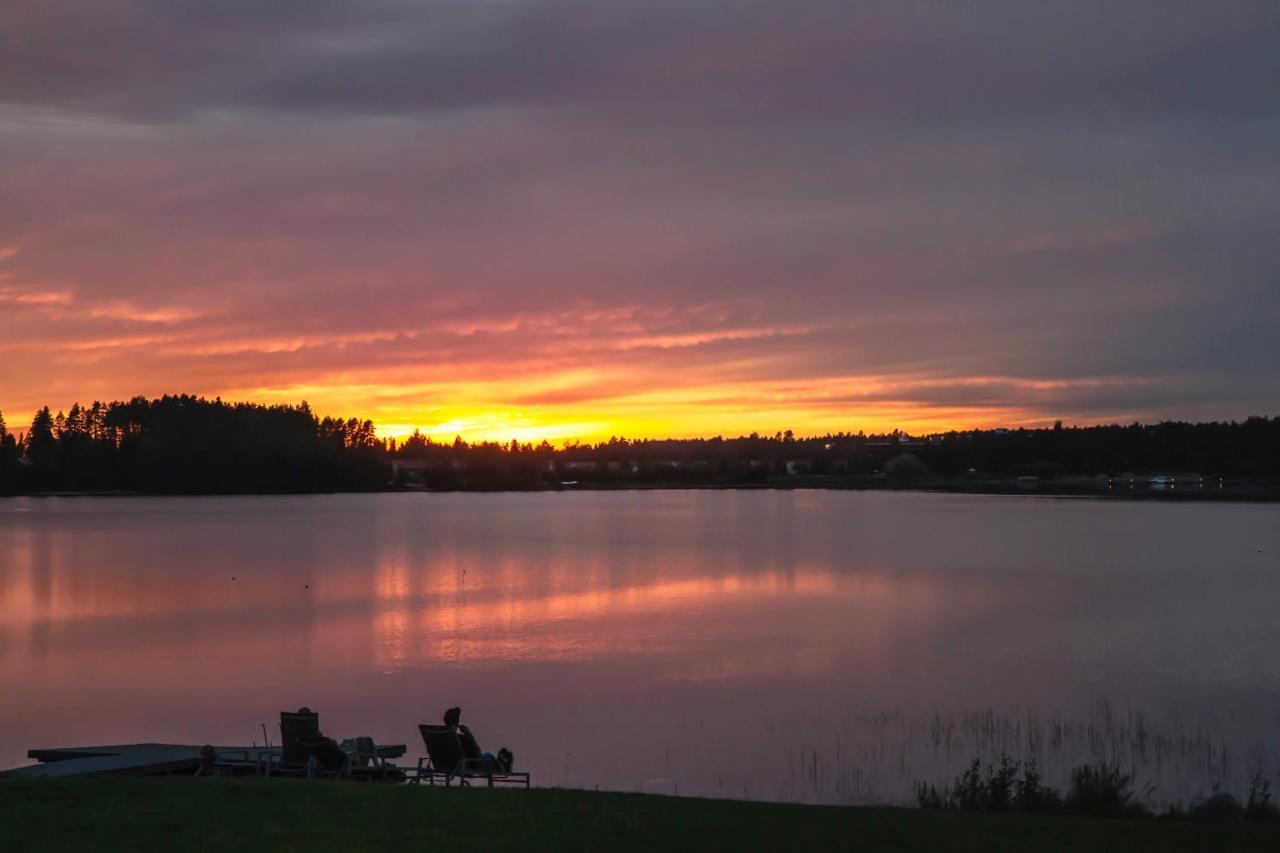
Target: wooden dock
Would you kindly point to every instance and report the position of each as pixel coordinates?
(134, 759)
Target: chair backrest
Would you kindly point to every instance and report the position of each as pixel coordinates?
(443, 746)
(297, 730)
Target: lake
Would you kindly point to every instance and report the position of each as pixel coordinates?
(818, 646)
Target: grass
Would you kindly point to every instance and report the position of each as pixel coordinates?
(255, 814)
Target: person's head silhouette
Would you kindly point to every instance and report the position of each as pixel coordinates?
(452, 717)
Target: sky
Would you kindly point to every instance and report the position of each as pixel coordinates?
(562, 219)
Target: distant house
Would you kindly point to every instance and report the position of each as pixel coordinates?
(416, 466)
(412, 473)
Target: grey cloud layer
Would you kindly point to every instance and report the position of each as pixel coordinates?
(894, 60)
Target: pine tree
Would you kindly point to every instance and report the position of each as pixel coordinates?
(41, 443)
(75, 420)
(94, 421)
(8, 449)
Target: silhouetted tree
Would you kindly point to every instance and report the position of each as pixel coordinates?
(41, 446)
(906, 469)
(8, 446)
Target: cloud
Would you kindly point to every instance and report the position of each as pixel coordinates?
(800, 215)
(752, 60)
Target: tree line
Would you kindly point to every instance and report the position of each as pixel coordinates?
(191, 445)
(1241, 450)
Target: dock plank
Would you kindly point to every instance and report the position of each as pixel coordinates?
(130, 758)
(139, 758)
(143, 759)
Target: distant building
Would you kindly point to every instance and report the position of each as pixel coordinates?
(411, 465)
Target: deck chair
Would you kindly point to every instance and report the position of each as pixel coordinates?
(445, 762)
(367, 763)
(304, 751)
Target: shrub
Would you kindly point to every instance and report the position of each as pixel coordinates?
(1034, 795)
(1220, 806)
(1000, 785)
(1103, 790)
(1097, 790)
(1259, 806)
(929, 797)
(970, 790)
(1000, 788)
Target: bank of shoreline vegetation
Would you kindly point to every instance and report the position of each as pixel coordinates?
(120, 813)
(1095, 790)
(191, 445)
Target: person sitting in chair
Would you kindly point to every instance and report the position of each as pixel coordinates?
(501, 763)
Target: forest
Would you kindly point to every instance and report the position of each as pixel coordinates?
(190, 445)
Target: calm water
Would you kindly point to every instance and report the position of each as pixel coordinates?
(818, 646)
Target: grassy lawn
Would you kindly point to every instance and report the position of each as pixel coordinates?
(223, 814)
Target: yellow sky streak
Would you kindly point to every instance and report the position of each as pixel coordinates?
(598, 406)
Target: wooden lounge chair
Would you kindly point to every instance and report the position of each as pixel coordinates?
(445, 762)
(304, 751)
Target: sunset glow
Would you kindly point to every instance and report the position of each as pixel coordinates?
(566, 221)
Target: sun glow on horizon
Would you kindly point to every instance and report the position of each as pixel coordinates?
(561, 426)
(589, 427)
(591, 405)
(726, 410)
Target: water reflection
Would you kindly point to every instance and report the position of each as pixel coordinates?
(659, 641)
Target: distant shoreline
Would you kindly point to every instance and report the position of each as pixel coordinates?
(1215, 494)
(189, 445)
(1249, 494)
